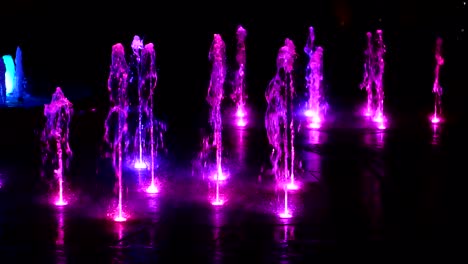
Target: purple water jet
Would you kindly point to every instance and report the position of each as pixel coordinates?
(368, 75)
(239, 95)
(149, 79)
(115, 124)
(279, 121)
(316, 104)
(215, 96)
(437, 89)
(55, 137)
(373, 78)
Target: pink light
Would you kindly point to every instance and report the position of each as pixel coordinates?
(60, 202)
(308, 113)
(120, 219)
(285, 214)
(240, 113)
(292, 186)
(435, 119)
(140, 165)
(152, 188)
(217, 202)
(241, 123)
(219, 177)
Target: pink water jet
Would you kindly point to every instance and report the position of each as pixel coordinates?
(374, 65)
(115, 124)
(55, 137)
(215, 96)
(316, 104)
(437, 89)
(238, 95)
(279, 121)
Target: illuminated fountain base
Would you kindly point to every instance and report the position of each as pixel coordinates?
(217, 202)
(380, 120)
(241, 117)
(60, 202)
(292, 186)
(120, 219)
(152, 189)
(285, 214)
(314, 119)
(435, 119)
(140, 165)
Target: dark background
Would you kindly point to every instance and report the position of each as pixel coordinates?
(68, 44)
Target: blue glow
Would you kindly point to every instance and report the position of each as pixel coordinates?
(9, 73)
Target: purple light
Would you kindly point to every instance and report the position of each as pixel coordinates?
(56, 131)
(437, 88)
(140, 165)
(217, 202)
(316, 104)
(285, 214)
(241, 123)
(292, 186)
(152, 188)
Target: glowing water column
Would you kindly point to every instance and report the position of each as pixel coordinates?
(215, 96)
(56, 130)
(2, 82)
(316, 105)
(368, 81)
(9, 74)
(379, 116)
(149, 79)
(115, 125)
(437, 89)
(238, 94)
(279, 121)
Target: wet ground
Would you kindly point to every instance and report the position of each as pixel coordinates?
(366, 195)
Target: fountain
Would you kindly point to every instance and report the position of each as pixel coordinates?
(55, 137)
(437, 89)
(115, 125)
(238, 95)
(148, 79)
(379, 116)
(368, 76)
(136, 76)
(279, 120)
(373, 78)
(18, 87)
(9, 74)
(316, 105)
(2, 82)
(214, 98)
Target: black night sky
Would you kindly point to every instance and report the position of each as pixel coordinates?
(68, 44)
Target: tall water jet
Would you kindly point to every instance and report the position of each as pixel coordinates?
(18, 87)
(279, 120)
(238, 95)
(9, 73)
(55, 137)
(2, 82)
(115, 124)
(149, 79)
(215, 96)
(137, 47)
(316, 105)
(379, 116)
(367, 83)
(437, 89)
(373, 78)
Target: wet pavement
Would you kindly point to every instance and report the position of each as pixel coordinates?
(366, 195)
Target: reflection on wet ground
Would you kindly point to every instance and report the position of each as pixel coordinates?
(366, 195)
